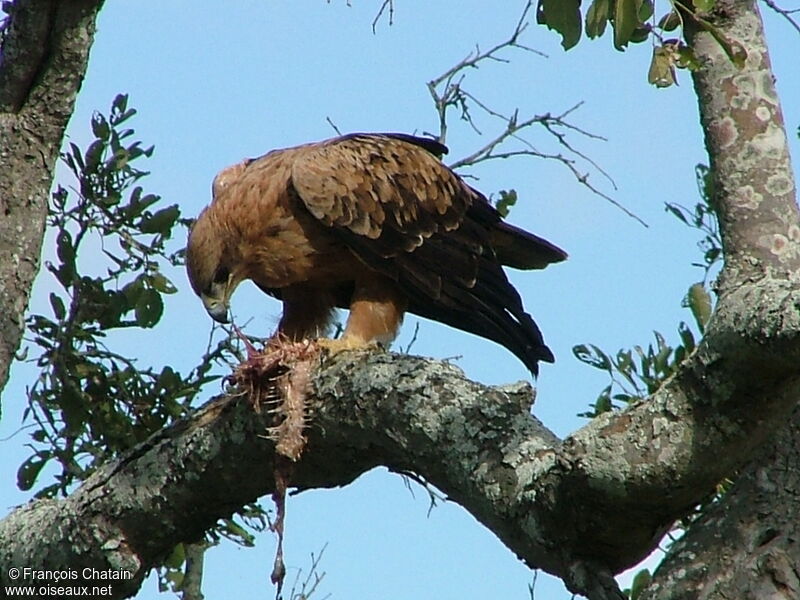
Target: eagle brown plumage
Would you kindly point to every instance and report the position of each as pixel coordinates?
(370, 222)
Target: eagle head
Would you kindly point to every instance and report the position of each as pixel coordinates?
(211, 270)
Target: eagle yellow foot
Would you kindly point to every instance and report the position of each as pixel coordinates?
(344, 344)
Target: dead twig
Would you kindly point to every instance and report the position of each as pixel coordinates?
(448, 93)
(785, 13)
(387, 5)
(447, 89)
(309, 585)
(332, 124)
(434, 497)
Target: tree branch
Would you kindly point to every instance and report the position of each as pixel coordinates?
(754, 190)
(559, 506)
(785, 13)
(739, 547)
(448, 92)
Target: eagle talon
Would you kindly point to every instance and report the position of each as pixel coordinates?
(345, 344)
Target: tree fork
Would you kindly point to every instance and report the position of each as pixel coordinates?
(745, 545)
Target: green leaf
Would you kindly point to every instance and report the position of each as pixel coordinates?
(700, 304)
(687, 59)
(687, 337)
(626, 20)
(59, 310)
(161, 221)
(603, 403)
(133, 290)
(640, 34)
(64, 249)
(563, 16)
(77, 156)
(149, 308)
(640, 581)
(100, 127)
(597, 18)
(30, 469)
(120, 103)
(670, 21)
(162, 284)
(66, 254)
(176, 557)
(93, 154)
(508, 198)
(676, 211)
(233, 531)
(704, 5)
(645, 10)
(662, 74)
(138, 203)
(592, 355)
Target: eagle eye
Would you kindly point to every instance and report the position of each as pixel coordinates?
(222, 275)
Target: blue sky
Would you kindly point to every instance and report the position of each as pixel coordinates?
(213, 85)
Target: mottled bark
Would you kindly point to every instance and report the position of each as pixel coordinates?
(754, 190)
(558, 506)
(42, 63)
(747, 545)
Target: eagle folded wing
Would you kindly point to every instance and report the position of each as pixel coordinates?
(406, 215)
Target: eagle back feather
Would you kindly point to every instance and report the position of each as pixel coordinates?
(405, 214)
(376, 185)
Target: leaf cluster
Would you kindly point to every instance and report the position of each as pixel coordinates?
(702, 218)
(637, 373)
(633, 22)
(173, 573)
(111, 250)
(634, 373)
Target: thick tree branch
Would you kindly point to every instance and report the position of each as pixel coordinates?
(582, 509)
(558, 506)
(43, 58)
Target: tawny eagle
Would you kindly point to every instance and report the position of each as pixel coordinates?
(370, 222)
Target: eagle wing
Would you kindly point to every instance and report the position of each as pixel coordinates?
(406, 215)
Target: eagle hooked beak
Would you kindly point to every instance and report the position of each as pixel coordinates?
(216, 299)
(218, 309)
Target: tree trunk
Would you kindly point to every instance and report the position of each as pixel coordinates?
(42, 64)
(747, 545)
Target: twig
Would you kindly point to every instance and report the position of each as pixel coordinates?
(786, 13)
(407, 349)
(332, 124)
(447, 91)
(191, 588)
(386, 4)
(312, 580)
(532, 584)
(433, 496)
(452, 94)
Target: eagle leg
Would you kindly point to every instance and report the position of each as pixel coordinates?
(376, 313)
(307, 313)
